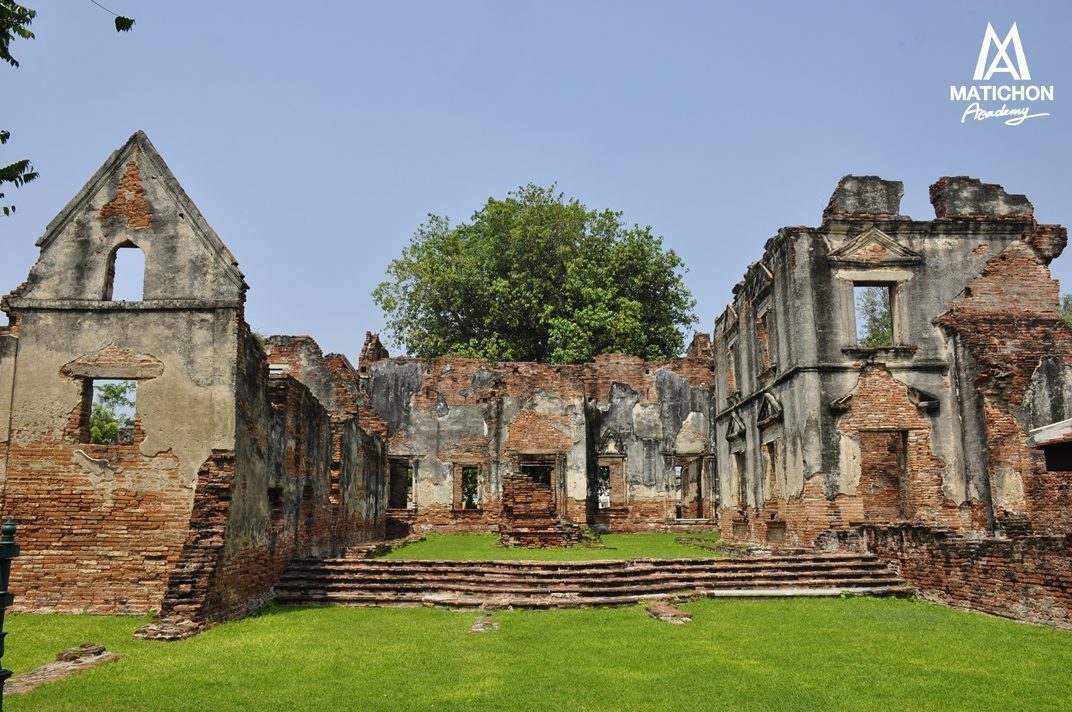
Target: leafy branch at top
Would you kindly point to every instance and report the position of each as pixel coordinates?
(15, 21)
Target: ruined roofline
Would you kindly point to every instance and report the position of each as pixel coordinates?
(870, 200)
(285, 339)
(341, 358)
(613, 356)
(139, 140)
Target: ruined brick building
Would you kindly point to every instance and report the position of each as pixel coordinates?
(231, 469)
(814, 431)
(536, 450)
(780, 427)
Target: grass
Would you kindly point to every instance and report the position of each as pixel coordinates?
(482, 547)
(788, 654)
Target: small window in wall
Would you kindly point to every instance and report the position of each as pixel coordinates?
(275, 501)
(470, 498)
(763, 341)
(732, 374)
(874, 315)
(738, 464)
(400, 484)
(125, 280)
(677, 491)
(603, 484)
(540, 473)
(108, 411)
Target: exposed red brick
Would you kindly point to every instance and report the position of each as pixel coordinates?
(129, 203)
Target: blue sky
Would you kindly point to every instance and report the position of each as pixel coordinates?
(316, 136)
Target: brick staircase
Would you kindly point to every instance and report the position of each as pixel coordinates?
(570, 584)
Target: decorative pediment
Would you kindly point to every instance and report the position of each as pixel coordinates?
(611, 443)
(736, 427)
(770, 410)
(921, 399)
(873, 248)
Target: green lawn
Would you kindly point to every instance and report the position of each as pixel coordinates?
(796, 654)
(479, 547)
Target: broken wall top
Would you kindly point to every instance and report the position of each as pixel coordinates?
(865, 197)
(133, 200)
(330, 378)
(863, 206)
(964, 197)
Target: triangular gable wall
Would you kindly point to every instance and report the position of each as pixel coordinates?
(134, 200)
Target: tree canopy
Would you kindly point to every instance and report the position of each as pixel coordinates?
(113, 408)
(536, 277)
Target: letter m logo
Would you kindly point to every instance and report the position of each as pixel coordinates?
(1002, 62)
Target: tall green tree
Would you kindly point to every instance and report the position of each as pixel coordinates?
(113, 409)
(536, 277)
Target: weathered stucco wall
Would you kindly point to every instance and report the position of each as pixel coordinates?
(119, 510)
(802, 409)
(448, 414)
(102, 526)
(231, 471)
(358, 460)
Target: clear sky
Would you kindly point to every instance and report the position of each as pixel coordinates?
(316, 136)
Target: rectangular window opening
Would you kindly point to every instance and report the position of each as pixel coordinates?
(400, 485)
(109, 406)
(538, 472)
(874, 314)
(677, 491)
(603, 491)
(738, 465)
(763, 336)
(470, 495)
(733, 383)
(275, 501)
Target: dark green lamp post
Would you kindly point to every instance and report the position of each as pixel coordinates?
(8, 551)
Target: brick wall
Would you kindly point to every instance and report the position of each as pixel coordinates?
(101, 530)
(450, 411)
(1026, 578)
(256, 508)
(882, 410)
(1007, 322)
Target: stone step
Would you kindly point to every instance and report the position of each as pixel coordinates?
(572, 566)
(493, 573)
(589, 563)
(357, 578)
(485, 602)
(596, 591)
(559, 583)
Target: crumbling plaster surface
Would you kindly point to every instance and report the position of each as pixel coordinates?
(184, 258)
(188, 409)
(449, 411)
(804, 284)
